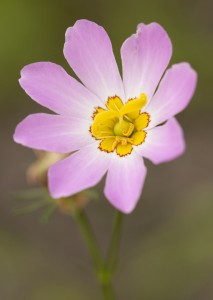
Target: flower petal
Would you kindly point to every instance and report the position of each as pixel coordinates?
(50, 85)
(108, 145)
(124, 181)
(123, 150)
(142, 121)
(138, 137)
(163, 143)
(174, 93)
(89, 52)
(53, 133)
(81, 170)
(145, 55)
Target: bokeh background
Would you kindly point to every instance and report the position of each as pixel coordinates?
(167, 246)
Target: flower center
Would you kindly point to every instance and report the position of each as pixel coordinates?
(120, 126)
(123, 128)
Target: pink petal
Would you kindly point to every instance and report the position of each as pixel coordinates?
(81, 170)
(53, 133)
(163, 143)
(124, 182)
(145, 55)
(174, 93)
(50, 85)
(89, 52)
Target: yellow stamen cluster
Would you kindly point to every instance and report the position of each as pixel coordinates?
(120, 126)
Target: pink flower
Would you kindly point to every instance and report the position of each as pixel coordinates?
(110, 123)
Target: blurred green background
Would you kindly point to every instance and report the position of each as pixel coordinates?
(167, 246)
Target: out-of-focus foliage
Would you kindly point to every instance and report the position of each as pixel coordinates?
(177, 260)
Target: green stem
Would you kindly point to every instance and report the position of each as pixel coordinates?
(90, 240)
(107, 291)
(104, 270)
(112, 256)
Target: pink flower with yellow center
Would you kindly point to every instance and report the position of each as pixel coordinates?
(110, 124)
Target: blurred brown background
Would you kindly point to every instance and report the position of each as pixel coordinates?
(167, 247)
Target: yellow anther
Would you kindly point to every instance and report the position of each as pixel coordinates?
(116, 142)
(124, 142)
(134, 105)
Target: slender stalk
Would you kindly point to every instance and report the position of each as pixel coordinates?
(108, 292)
(89, 238)
(112, 257)
(104, 270)
(113, 252)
